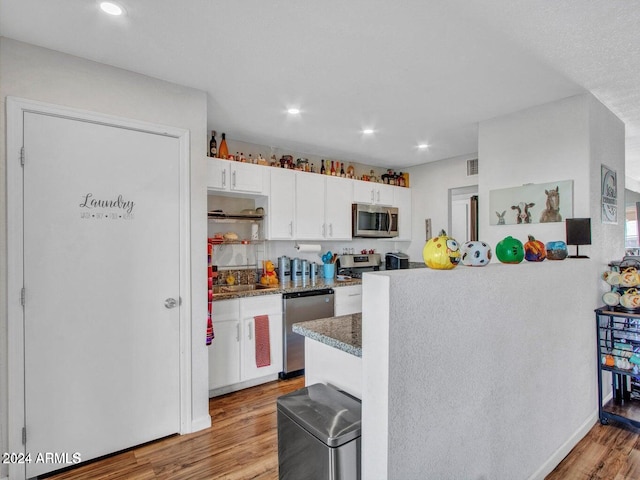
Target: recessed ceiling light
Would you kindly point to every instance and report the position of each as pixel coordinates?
(111, 8)
(293, 111)
(423, 146)
(367, 131)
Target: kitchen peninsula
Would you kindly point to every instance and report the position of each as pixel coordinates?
(333, 352)
(475, 372)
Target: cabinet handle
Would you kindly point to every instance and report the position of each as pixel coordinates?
(372, 195)
(378, 195)
(331, 229)
(250, 330)
(354, 295)
(233, 180)
(324, 229)
(291, 228)
(224, 178)
(237, 332)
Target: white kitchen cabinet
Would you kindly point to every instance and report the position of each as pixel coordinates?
(309, 217)
(323, 207)
(280, 214)
(251, 307)
(347, 300)
(338, 200)
(232, 359)
(230, 176)
(402, 201)
(224, 351)
(373, 193)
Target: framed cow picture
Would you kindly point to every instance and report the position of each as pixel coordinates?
(531, 203)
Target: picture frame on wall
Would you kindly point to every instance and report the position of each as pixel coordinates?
(609, 195)
(531, 203)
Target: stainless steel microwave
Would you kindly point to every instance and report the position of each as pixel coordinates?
(374, 221)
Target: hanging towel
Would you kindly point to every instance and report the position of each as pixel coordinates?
(263, 346)
(209, 330)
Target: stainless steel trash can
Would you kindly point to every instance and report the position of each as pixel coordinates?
(319, 434)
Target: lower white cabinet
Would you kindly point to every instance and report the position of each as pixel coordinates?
(232, 354)
(348, 300)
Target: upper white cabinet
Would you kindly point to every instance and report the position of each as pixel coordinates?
(230, 176)
(373, 193)
(402, 200)
(323, 207)
(281, 211)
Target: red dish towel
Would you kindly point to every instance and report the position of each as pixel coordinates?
(263, 346)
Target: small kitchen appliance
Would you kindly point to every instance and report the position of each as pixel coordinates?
(374, 221)
(355, 265)
(396, 261)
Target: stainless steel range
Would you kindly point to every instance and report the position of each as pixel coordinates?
(356, 265)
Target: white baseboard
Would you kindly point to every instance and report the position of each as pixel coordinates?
(547, 467)
(200, 423)
(242, 385)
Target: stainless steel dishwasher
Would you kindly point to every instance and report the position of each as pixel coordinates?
(301, 307)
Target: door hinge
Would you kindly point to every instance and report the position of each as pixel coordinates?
(22, 295)
(22, 156)
(24, 435)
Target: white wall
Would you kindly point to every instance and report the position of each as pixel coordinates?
(44, 75)
(477, 373)
(430, 184)
(564, 140)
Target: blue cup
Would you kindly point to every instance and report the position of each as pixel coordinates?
(329, 270)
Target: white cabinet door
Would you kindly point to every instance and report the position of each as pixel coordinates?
(280, 215)
(338, 200)
(247, 177)
(348, 300)
(384, 194)
(218, 174)
(230, 176)
(402, 200)
(373, 193)
(363, 192)
(270, 305)
(310, 207)
(224, 352)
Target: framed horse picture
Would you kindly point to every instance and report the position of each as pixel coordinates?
(531, 203)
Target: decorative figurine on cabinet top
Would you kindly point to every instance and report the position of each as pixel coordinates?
(534, 250)
(441, 252)
(510, 250)
(476, 254)
(557, 250)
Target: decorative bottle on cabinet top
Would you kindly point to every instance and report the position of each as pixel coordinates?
(213, 145)
(223, 151)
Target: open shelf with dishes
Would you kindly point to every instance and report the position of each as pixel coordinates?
(618, 342)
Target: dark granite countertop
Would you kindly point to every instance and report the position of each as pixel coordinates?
(343, 333)
(290, 287)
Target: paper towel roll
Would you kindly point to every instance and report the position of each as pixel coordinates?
(308, 247)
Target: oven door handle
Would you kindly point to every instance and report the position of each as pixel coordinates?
(390, 219)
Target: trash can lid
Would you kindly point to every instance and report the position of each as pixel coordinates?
(328, 414)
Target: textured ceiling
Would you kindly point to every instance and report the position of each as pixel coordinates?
(415, 71)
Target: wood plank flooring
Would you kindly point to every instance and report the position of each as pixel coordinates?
(242, 445)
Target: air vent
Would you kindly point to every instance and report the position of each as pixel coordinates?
(472, 167)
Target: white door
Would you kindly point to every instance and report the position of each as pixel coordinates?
(460, 220)
(101, 255)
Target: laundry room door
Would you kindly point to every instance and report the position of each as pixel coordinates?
(101, 281)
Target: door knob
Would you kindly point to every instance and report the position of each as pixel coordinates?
(170, 303)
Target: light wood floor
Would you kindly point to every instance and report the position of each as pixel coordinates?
(242, 444)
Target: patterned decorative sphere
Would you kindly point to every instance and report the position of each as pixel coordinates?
(441, 252)
(476, 254)
(510, 250)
